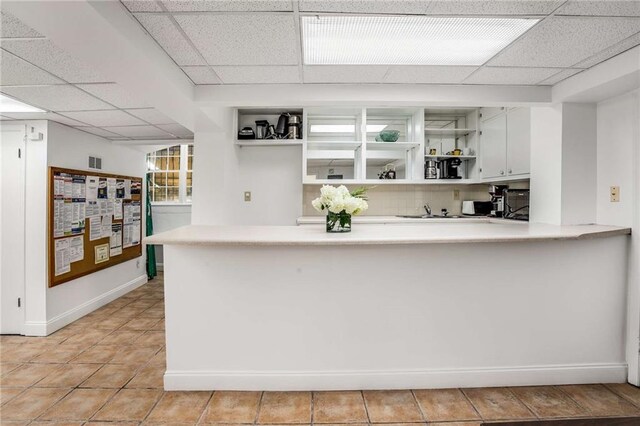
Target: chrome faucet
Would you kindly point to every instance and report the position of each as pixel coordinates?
(427, 208)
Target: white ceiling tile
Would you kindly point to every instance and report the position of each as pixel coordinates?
(138, 131)
(177, 130)
(600, 8)
(56, 98)
(12, 27)
(151, 116)
(610, 52)
(112, 117)
(165, 32)
(565, 41)
(201, 75)
(428, 74)
(365, 6)
(115, 95)
(515, 76)
(256, 39)
(228, 5)
(344, 73)
(43, 116)
(556, 78)
(142, 5)
(258, 75)
(48, 56)
(501, 7)
(99, 132)
(15, 71)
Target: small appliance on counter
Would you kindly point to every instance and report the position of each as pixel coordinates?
(497, 194)
(477, 208)
(246, 133)
(516, 204)
(448, 168)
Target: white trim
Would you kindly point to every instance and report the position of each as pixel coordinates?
(44, 328)
(398, 379)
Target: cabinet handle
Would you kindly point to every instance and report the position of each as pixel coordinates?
(510, 171)
(501, 172)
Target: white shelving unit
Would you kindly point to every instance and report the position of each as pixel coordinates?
(268, 142)
(247, 117)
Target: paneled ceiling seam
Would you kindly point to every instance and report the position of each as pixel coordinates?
(515, 41)
(188, 40)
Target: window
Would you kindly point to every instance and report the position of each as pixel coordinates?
(170, 173)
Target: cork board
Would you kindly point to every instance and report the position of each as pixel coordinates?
(94, 221)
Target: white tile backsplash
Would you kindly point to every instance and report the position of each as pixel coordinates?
(391, 200)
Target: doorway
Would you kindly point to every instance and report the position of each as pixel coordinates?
(12, 228)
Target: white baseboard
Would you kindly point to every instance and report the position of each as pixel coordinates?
(42, 328)
(160, 267)
(420, 379)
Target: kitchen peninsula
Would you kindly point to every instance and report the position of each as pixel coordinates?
(422, 305)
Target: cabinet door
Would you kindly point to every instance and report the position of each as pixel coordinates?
(494, 147)
(518, 141)
(488, 113)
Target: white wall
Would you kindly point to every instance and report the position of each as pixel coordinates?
(166, 217)
(223, 172)
(618, 164)
(48, 309)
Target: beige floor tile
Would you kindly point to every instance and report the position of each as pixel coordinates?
(110, 376)
(118, 337)
(68, 376)
(129, 404)
(80, 404)
(600, 401)
(127, 312)
(60, 354)
(98, 354)
(111, 323)
(7, 394)
(133, 355)
(151, 338)
(285, 407)
(498, 404)
(140, 324)
(440, 405)
(456, 424)
(27, 375)
(112, 424)
(627, 391)
(31, 403)
(232, 407)
(180, 407)
(8, 339)
(148, 377)
(339, 407)
(392, 407)
(38, 423)
(5, 367)
(18, 353)
(548, 402)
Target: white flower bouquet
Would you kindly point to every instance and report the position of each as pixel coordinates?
(340, 205)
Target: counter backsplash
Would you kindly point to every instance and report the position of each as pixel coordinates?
(391, 200)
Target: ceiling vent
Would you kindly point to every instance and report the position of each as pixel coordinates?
(95, 163)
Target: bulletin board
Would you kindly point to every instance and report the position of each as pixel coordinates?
(94, 222)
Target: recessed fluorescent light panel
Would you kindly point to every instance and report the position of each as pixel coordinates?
(407, 40)
(8, 104)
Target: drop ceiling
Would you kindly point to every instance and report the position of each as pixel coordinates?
(232, 42)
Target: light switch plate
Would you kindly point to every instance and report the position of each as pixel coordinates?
(614, 193)
(247, 196)
(456, 194)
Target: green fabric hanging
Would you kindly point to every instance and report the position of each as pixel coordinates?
(151, 249)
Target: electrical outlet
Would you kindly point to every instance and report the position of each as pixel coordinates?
(614, 193)
(138, 263)
(456, 194)
(247, 196)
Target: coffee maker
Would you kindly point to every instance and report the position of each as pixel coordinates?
(497, 198)
(448, 168)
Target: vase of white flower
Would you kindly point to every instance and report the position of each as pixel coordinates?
(340, 205)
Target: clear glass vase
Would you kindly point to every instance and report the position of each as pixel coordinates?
(338, 222)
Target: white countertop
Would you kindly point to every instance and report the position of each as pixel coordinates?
(308, 220)
(421, 233)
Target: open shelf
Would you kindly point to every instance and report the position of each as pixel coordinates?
(435, 131)
(462, 157)
(333, 145)
(390, 146)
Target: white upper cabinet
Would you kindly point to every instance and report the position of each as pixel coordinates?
(518, 141)
(505, 143)
(494, 146)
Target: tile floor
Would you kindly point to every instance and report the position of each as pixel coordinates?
(107, 368)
